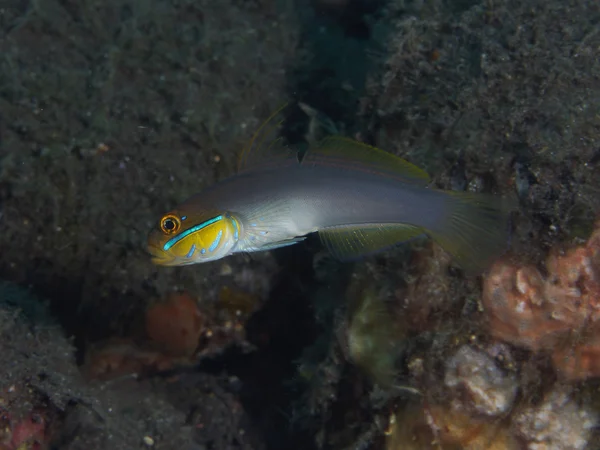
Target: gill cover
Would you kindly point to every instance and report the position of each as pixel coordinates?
(181, 240)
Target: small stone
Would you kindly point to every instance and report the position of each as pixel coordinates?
(483, 387)
(226, 270)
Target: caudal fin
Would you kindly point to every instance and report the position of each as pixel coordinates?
(476, 228)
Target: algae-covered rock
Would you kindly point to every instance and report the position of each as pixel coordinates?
(44, 398)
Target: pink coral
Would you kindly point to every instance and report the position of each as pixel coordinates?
(559, 312)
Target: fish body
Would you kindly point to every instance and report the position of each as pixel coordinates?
(300, 200)
(359, 200)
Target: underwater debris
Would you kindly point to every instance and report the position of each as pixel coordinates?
(558, 422)
(559, 312)
(480, 385)
(423, 427)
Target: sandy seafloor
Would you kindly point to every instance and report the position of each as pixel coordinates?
(112, 112)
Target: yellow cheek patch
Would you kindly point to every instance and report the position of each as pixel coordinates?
(217, 231)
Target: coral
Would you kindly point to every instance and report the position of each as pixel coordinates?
(27, 434)
(479, 385)
(423, 427)
(177, 333)
(514, 304)
(478, 394)
(558, 422)
(559, 312)
(455, 428)
(374, 338)
(579, 361)
(175, 325)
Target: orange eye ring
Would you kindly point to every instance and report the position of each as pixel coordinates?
(170, 224)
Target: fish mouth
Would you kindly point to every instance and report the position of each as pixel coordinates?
(159, 258)
(162, 261)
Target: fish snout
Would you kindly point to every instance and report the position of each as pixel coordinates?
(159, 256)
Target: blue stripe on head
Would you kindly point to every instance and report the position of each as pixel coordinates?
(171, 242)
(215, 243)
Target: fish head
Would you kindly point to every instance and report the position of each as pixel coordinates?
(182, 238)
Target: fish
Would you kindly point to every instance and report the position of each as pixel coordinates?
(359, 199)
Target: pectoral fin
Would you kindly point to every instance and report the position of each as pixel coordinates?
(349, 242)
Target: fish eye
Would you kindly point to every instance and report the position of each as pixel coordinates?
(170, 224)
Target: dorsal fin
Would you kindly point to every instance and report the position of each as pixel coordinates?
(347, 153)
(319, 125)
(266, 147)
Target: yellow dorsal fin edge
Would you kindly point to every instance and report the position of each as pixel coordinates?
(345, 152)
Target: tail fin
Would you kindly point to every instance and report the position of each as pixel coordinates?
(476, 229)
